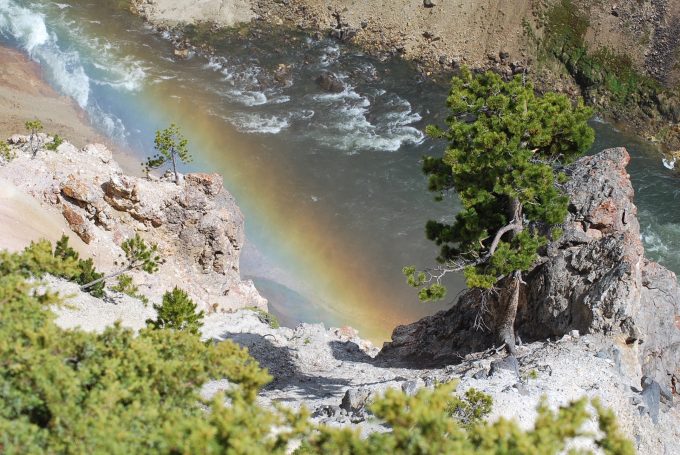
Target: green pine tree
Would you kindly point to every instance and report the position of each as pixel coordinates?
(506, 146)
(139, 255)
(85, 272)
(177, 312)
(170, 146)
(34, 127)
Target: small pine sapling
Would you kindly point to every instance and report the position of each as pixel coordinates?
(171, 146)
(138, 256)
(177, 312)
(126, 285)
(34, 127)
(86, 271)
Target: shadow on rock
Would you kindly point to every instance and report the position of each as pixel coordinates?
(280, 362)
(349, 351)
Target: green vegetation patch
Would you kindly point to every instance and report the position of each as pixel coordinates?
(69, 391)
(125, 284)
(265, 317)
(565, 30)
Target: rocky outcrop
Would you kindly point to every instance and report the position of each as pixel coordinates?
(197, 225)
(594, 279)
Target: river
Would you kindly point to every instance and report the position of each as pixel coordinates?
(329, 183)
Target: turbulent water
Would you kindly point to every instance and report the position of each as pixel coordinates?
(329, 182)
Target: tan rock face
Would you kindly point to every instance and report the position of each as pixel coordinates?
(197, 225)
(81, 190)
(78, 224)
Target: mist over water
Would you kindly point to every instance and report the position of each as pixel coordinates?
(330, 183)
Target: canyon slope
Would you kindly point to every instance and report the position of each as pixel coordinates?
(598, 319)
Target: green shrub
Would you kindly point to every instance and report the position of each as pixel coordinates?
(470, 409)
(76, 392)
(68, 391)
(265, 317)
(127, 286)
(86, 271)
(177, 312)
(6, 153)
(56, 142)
(422, 424)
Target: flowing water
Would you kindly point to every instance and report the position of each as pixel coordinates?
(329, 183)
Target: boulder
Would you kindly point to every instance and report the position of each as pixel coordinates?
(78, 224)
(594, 279)
(83, 192)
(355, 399)
(121, 192)
(329, 82)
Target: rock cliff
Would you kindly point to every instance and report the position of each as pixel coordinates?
(594, 279)
(197, 225)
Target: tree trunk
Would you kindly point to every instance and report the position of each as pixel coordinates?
(507, 325)
(104, 278)
(516, 214)
(174, 168)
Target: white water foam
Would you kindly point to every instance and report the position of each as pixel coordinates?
(255, 123)
(29, 30)
(243, 84)
(350, 129)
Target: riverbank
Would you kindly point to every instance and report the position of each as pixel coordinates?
(570, 46)
(22, 89)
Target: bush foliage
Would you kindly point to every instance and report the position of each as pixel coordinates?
(69, 391)
(505, 147)
(38, 259)
(126, 285)
(177, 312)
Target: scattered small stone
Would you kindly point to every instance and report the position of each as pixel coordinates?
(651, 395)
(411, 387)
(481, 374)
(509, 363)
(429, 381)
(522, 389)
(355, 399)
(602, 354)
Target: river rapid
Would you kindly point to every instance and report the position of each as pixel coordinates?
(329, 183)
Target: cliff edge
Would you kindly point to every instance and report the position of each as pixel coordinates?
(197, 225)
(594, 279)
